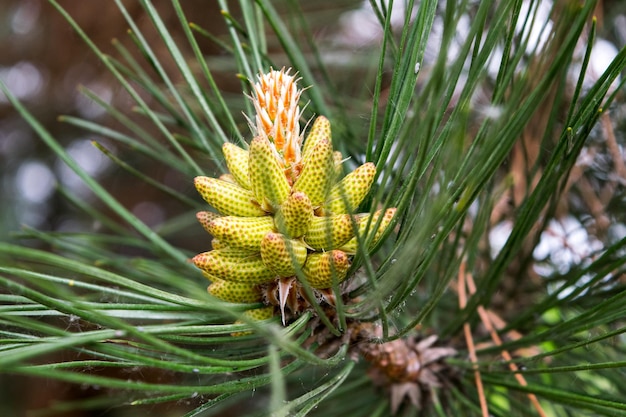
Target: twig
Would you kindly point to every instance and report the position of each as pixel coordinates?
(486, 320)
(470, 343)
(614, 150)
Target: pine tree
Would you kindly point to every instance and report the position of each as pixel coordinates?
(355, 206)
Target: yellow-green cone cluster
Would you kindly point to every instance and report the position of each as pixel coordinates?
(284, 214)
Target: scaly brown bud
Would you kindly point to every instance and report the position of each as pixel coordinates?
(229, 199)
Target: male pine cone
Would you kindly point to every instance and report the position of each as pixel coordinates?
(283, 213)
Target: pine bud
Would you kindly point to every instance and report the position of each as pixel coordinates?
(283, 212)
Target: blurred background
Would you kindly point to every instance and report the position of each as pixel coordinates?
(44, 63)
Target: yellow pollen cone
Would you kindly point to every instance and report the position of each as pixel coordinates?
(352, 245)
(234, 292)
(205, 217)
(237, 163)
(267, 178)
(256, 314)
(321, 269)
(329, 232)
(216, 244)
(227, 198)
(228, 178)
(241, 232)
(294, 216)
(317, 173)
(234, 266)
(282, 255)
(320, 130)
(259, 314)
(338, 158)
(347, 194)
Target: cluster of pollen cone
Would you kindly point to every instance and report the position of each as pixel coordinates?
(285, 213)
